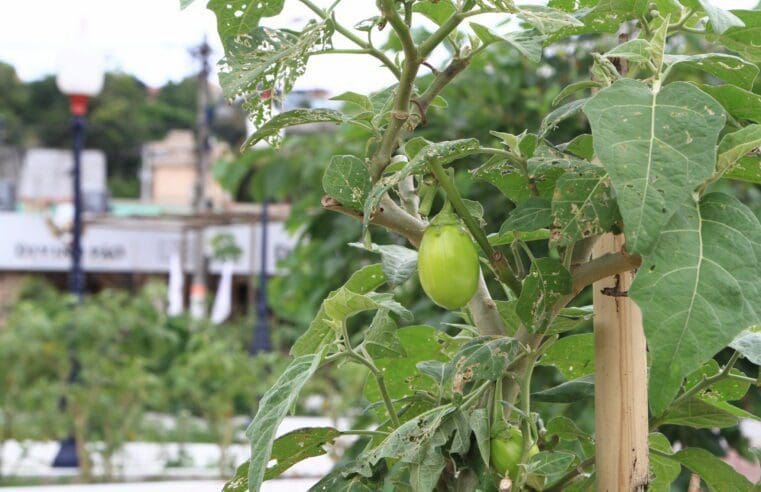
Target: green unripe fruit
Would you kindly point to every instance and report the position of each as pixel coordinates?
(448, 265)
(507, 451)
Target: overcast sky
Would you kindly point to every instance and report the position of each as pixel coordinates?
(151, 38)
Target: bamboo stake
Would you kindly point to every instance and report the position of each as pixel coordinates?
(620, 381)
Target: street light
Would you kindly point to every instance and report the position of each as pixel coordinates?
(80, 77)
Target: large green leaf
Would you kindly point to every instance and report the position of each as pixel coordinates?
(719, 476)
(583, 205)
(729, 68)
(700, 414)
(547, 281)
(436, 10)
(656, 147)
(339, 305)
(568, 392)
(707, 263)
(347, 180)
(273, 407)
(573, 356)
(720, 20)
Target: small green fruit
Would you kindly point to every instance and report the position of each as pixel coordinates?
(448, 265)
(507, 451)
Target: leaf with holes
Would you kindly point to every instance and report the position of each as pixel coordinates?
(483, 358)
(729, 68)
(262, 65)
(707, 262)
(271, 129)
(347, 180)
(656, 148)
(724, 390)
(547, 281)
(240, 17)
(583, 205)
(547, 20)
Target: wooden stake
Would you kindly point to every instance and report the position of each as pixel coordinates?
(620, 381)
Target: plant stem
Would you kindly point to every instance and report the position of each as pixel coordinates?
(526, 425)
(354, 38)
(497, 259)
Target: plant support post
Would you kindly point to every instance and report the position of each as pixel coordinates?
(620, 381)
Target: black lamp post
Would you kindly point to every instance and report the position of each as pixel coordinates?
(261, 342)
(80, 77)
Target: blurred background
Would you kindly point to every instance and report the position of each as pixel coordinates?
(153, 278)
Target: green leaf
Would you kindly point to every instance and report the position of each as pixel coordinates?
(547, 20)
(664, 470)
(707, 262)
(528, 43)
(570, 319)
(549, 463)
(322, 330)
(297, 446)
(507, 237)
(583, 205)
(434, 369)
(273, 407)
(746, 169)
(483, 358)
(636, 50)
(529, 216)
(437, 11)
(568, 392)
(557, 116)
(271, 129)
(442, 152)
(719, 476)
(748, 343)
(743, 40)
(547, 281)
(573, 356)
(699, 414)
(566, 429)
(240, 17)
(736, 145)
(411, 441)
(729, 68)
(347, 180)
(380, 338)
(399, 263)
(581, 146)
(741, 104)
(339, 480)
(656, 148)
(359, 100)
(262, 65)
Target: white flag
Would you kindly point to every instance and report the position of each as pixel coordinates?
(223, 302)
(176, 281)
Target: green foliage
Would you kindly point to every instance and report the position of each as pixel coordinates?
(648, 169)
